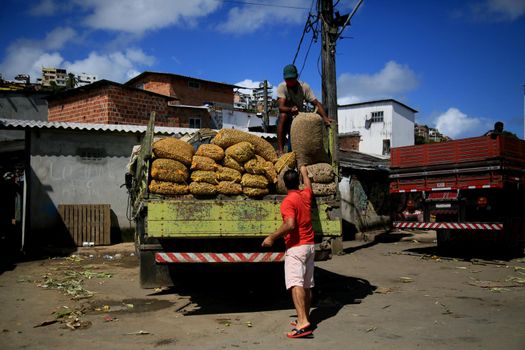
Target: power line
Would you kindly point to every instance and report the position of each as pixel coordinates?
(348, 19)
(261, 4)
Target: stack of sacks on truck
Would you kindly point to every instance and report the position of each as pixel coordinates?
(247, 164)
(204, 180)
(323, 179)
(287, 161)
(169, 171)
(307, 141)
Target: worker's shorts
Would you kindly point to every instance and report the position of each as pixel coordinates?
(299, 266)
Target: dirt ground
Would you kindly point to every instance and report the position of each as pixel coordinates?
(390, 293)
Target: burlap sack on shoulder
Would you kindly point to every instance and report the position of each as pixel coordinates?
(173, 148)
(288, 159)
(228, 174)
(256, 181)
(229, 188)
(307, 139)
(241, 152)
(281, 187)
(203, 163)
(204, 176)
(169, 170)
(167, 188)
(228, 137)
(202, 189)
(321, 173)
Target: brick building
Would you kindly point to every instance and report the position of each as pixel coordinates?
(349, 141)
(189, 91)
(107, 102)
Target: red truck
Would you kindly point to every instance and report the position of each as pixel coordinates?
(468, 190)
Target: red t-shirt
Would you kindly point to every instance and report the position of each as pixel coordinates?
(297, 205)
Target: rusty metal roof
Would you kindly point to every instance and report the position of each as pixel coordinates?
(17, 124)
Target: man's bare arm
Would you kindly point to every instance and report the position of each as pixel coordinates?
(287, 226)
(320, 109)
(306, 179)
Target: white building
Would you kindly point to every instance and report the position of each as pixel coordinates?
(382, 124)
(85, 79)
(233, 119)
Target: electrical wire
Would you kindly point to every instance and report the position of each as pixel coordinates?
(262, 4)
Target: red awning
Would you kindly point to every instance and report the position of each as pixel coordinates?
(441, 196)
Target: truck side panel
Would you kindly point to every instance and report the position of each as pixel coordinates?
(227, 218)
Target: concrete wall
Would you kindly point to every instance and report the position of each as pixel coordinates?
(402, 127)
(242, 120)
(77, 167)
(364, 200)
(23, 106)
(397, 125)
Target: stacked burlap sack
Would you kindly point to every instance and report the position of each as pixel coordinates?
(169, 171)
(247, 166)
(323, 179)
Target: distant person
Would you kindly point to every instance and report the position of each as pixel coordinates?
(411, 213)
(291, 95)
(298, 236)
(498, 130)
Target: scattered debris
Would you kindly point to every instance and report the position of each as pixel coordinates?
(447, 310)
(45, 323)
(371, 329)
(70, 282)
(383, 290)
(108, 318)
(406, 279)
(141, 332)
(516, 279)
(494, 284)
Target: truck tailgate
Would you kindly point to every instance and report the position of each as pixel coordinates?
(228, 218)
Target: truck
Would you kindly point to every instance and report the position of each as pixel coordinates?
(469, 190)
(171, 230)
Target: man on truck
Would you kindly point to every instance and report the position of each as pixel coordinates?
(291, 95)
(298, 236)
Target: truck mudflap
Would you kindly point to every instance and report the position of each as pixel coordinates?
(254, 257)
(449, 225)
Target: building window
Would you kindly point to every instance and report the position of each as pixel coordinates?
(377, 117)
(195, 123)
(194, 84)
(386, 147)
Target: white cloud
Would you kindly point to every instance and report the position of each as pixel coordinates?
(138, 16)
(44, 8)
(498, 10)
(249, 84)
(456, 124)
(117, 66)
(250, 18)
(392, 81)
(29, 56)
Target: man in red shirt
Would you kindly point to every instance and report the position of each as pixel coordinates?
(298, 236)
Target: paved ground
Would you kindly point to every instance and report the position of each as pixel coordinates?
(392, 293)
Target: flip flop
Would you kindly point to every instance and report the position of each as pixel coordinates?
(299, 333)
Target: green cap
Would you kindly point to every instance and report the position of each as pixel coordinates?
(290, 72)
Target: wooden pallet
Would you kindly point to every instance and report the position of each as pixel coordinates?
(88, 224)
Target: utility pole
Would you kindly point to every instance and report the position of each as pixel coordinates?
(329, 82)
(266, 121)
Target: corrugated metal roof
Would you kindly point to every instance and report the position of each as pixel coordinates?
(17, 124)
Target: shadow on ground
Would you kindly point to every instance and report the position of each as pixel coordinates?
(386, 237)
(218, 289)
(467, 252)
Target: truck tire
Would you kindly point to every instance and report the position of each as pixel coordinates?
(445, 243)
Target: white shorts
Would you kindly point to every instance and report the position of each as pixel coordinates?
(299, 266)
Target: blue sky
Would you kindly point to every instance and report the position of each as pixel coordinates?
(461, 64)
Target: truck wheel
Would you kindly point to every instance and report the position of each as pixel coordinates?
(153, 275)
(444, 241)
